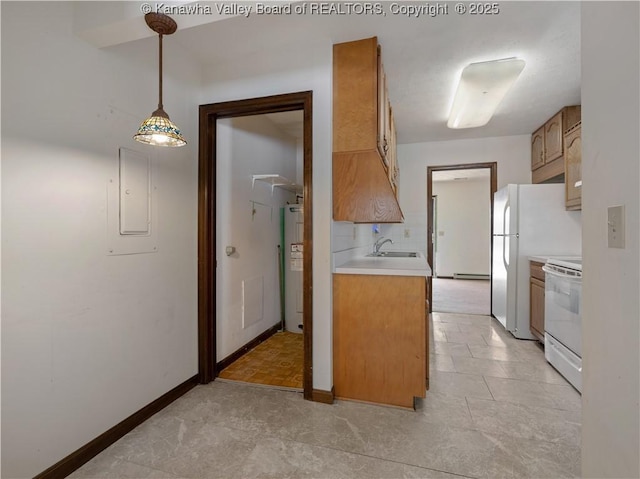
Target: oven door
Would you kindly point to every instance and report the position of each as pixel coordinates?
(562, 306)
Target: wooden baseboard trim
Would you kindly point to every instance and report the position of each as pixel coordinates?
(326, 397)
(246, 348)
(83, 455)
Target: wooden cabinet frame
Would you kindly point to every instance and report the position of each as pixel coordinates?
(380, 338)
(550, 137)
(573, 167)
(364, 167)
(536, 300)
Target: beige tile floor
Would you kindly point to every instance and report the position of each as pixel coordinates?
(447, 293)
(496, 409)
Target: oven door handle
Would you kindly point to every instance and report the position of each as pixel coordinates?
(575, 277)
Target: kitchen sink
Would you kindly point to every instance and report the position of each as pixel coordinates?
(394, 254)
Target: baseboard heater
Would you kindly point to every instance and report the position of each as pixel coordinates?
(470, 276)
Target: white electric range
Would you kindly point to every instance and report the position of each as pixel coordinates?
(563, 317)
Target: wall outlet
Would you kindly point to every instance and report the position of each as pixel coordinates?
(354, 231)
(407, 233)
(615, 226)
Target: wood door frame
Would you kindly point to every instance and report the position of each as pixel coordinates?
(493, 186)
(208, 116)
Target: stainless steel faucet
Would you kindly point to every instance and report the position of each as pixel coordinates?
(378, 244)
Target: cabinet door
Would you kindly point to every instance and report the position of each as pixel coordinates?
(355, 96)
(427, 327)
(391, 152)
(573, 168)
(383, 114)
(379, 340)
(537, 149)
(553, 138)
(536, 307)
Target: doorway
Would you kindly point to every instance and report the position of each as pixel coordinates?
(211, 130)
(459, 235)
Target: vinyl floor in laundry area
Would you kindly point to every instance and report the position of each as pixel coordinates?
(278, 361)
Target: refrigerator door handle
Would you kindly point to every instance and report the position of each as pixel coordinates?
(505, 212)
(504, 257)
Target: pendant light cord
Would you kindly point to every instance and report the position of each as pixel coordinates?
(160, 107)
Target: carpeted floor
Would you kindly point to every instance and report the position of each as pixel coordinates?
(467, 296)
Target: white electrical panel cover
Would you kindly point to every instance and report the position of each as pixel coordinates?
(135, 193)
(132, 213)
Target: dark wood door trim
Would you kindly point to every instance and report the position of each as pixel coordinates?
(208, 116)
(493, 179)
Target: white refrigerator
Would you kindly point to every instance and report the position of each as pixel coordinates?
(528, 220)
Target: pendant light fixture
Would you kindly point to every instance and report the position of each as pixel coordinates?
(158, 129)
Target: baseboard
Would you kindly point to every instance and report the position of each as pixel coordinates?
(87, 452)
(326, 397)
(234, 356)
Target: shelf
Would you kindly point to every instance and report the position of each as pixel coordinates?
(277, 181)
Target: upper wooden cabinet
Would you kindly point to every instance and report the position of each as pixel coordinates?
(547, 145)
(553, 132)
(364, 158)
(573, 167)
(383, 132)
(537, 148)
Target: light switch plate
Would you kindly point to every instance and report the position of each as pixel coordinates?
(615, 226)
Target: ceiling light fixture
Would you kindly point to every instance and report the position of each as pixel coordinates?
(158, 129)
(481, 88)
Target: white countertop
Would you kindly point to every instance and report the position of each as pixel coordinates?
(544, 258)
(386, 266)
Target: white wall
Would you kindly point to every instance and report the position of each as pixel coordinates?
(87, 338)
(289, 69)
(610, 171)
(463, 227)
(249, 146)
(512, 153)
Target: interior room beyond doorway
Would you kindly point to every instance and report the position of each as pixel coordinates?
(461, 238)
(241, 255)
(259, 243)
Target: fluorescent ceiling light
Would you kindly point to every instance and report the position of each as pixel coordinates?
(482, 87)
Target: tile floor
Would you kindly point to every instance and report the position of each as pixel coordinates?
(447, 293)
(496, 409)
(278, 361)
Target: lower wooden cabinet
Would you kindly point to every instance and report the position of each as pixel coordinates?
(536, 300)
(380, 338)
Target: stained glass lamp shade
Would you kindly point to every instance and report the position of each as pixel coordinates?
(159, 130)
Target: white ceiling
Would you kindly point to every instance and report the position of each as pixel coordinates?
(289, 122)
(424, 56)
